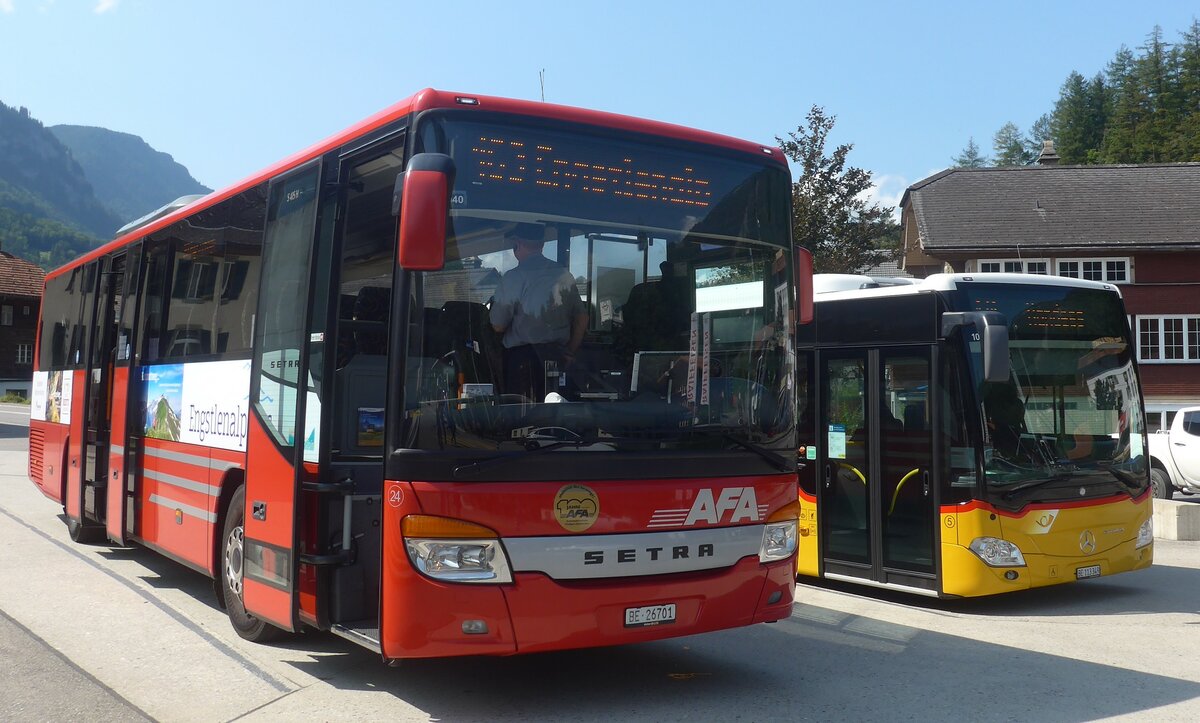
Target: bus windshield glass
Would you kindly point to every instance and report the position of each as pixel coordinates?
(1068, 423)
(602, 293)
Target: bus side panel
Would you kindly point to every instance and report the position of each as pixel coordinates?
(115, 506)
(809, 553)
(47, 457)
(178, 505)
(73, 497)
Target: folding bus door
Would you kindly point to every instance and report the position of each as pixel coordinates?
(276, 437)
(876, 492)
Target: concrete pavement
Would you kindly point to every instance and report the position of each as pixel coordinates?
(120, 633)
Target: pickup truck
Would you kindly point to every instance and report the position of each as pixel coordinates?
(1175, 455)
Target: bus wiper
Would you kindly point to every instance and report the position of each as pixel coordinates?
(467, 470)
(1030, 484)
(772, 458)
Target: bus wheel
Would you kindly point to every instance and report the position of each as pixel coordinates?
(84, 533)
(232, 558)
(1161, 484)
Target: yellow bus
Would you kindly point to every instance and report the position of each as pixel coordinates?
(967, 435)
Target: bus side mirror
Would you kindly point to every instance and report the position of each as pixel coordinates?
(992, 329)
(421, 196)
(804, 286)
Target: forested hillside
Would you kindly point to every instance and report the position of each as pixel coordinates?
(66, 189)
(39, 177)
(127, 175)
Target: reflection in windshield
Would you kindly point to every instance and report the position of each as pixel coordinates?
(1070, 412)
(576, 317)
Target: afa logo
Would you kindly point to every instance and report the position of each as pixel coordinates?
(576, 507)
(727, 505)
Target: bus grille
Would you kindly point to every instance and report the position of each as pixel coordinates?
(37, 443)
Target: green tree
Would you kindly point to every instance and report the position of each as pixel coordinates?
(1038, 132)
(1126, 104)
(1185, 141)
(970, 157)
(1156, 74)
(1009, 147)
(1077, 124)
(830, 214)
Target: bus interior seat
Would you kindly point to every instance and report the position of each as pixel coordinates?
(914, 417)
(473, 341)
(361, 379)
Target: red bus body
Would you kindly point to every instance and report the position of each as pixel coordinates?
(173, 495)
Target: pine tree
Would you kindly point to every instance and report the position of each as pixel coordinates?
(1126, 109)
(1078, 120)
(970, 157)
(1185, 143)
(830, 217)
(1155, 72)
(1009, 146)
(1039, 132)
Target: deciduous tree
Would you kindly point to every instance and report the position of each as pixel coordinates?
(831, 215)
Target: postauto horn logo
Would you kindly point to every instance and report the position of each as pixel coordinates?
(576, 507)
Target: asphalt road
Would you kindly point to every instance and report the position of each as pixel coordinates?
(103, 633)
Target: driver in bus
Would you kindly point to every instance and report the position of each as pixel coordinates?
(538, 312)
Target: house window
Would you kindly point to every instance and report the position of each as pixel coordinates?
(1111, 270)
(1014, 266)
(1168, 339)
(6, 315)
(24, 353)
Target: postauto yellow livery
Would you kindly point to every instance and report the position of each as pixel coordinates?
(967, 435)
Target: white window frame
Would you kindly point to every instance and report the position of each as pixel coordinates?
(1187, 320)
(6, 315)
(24, 353)
(1104, 261)
(1023, 263)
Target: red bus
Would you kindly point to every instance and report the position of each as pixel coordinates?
(301, 385)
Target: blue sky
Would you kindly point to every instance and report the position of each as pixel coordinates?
(229, 87)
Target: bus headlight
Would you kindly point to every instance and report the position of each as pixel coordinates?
(997, 553)
(455, 550)
(780, 533)
(1146, 533)
(779, 541)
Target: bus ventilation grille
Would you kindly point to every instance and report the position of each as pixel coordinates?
(37, 443)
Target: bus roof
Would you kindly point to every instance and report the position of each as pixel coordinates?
(429, 99)
(830, 287)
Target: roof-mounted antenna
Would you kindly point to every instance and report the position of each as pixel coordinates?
(542, 82)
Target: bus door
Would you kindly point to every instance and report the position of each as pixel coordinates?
(98, 318)
(125, 410)
(276, 439)
(877, 496)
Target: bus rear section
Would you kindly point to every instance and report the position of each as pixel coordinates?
(974, 435)
(316, 398)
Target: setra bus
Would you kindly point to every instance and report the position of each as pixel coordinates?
(294, 386)
(967, 435)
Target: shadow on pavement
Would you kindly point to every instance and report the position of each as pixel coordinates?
(1157, 589)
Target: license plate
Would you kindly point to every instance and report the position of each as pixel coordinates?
(1089, 571)
(649, 615)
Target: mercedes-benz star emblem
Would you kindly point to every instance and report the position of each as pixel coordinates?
(1087, 542)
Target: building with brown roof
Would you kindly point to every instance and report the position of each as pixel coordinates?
(1137, 227)
(20, 296)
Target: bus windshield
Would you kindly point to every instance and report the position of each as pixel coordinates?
(1068, 422)
(601, 294)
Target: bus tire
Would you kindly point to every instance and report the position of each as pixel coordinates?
(84, 533)
(232, 541)
(1161, 484)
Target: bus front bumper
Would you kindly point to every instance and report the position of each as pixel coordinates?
(965, 575)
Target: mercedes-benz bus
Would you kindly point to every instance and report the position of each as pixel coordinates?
(967, 435)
